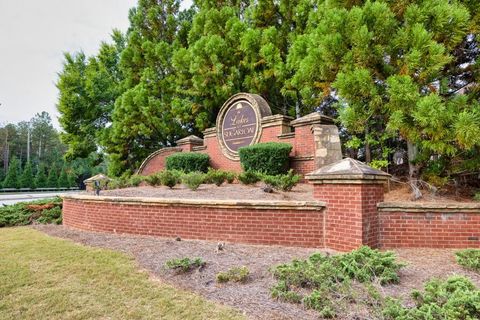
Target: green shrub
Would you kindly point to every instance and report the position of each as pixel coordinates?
(169, 178)
(237, 274)
(153, 179)
(135, 180)
(230, 177)
(284, 182)
(282, 292)
(217, 177)
(270, 158)
(193, 180)
(327, 275)
(249, 177)
(469, 258)
(188, 162)
(25, 213)
(454, 298)
(117, 183)
(184, 265)
(476, 197)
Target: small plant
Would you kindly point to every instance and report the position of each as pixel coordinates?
(454, 298)
(216, 177)
(169, 178)
(284, 182)
(188, 162)
(249, 177)
(193, 180)
(184, 265)
(153, 180)
(237, 274)
(282, 292)
(135, 180)
(476, 197)
(230, 176)
(469, 258)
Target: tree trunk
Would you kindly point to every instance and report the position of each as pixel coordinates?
(413, 169)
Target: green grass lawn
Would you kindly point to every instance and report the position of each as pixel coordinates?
(47, 278)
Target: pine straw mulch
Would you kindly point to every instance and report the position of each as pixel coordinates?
(252, 298)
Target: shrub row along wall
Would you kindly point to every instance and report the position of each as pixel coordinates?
(255, 222)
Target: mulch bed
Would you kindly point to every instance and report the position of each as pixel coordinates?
(236, 191)
(252, 298)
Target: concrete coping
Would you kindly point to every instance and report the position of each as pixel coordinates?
(210, 203)
(276, 120)
(210, 132)
(430, 207)
(192, 139)
(312, 118)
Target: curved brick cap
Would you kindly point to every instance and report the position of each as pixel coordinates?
(347, 169)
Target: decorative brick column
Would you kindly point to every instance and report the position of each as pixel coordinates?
(188, 143)
(351, 190)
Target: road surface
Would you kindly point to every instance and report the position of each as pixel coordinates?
(11, 198)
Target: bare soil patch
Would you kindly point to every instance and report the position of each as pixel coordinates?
(253, 298)
(301, 192)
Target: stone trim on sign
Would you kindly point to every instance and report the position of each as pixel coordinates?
(206, 203)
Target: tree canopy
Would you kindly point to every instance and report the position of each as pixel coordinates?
(395, 74)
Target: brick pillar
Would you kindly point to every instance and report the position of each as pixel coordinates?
(188, 143)
(351, 190)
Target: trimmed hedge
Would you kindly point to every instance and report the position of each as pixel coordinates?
(270, 158)
(188, 162)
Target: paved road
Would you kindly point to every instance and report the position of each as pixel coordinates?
(11, 198)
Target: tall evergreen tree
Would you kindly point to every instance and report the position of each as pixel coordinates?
(41, 177)
(52, 179)
(13, 174)
(62, 181)
(26, 179)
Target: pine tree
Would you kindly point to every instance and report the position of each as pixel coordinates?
(26, 179)
(52, 180)
(62, 181)
(41, 177)
(13, 174)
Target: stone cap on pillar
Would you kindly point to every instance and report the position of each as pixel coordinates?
(347, 171)
(193, 140)
(310, 119)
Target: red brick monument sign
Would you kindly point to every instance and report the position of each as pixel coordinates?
(247, 119)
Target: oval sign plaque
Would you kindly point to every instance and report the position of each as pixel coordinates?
(239, 122)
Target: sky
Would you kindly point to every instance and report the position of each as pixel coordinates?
(33, 37)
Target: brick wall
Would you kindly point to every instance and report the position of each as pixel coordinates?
(277, 224)
(430, 228)
(156, 161)
(351, 215)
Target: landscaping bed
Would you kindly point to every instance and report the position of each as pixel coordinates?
(236, 191)
(253, 297)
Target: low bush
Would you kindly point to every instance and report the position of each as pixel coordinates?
(237, 274)
(188, 162)
(117, 183)
(135, 180)
(193, 180)
(153, 180)
(217, 177)
(327, 275)
(169, 178)
(284, 182)
(454, 298)
(469, 258)
(249, 177)
(270, 158)
(230, 176)
(185, 264)
(24, 213)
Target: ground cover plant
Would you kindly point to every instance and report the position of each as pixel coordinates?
(318, 281)
(188, 162)
(185, 264)
(469, 258)
(236, 274)
(24, 213)
(270, 158)
(454, 298)
(284, 182)
(43, 277)
(249, 177)
(193, 180)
